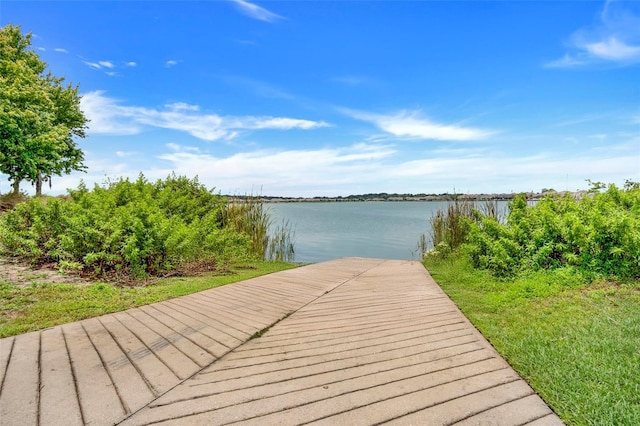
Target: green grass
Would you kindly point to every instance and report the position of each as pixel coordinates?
(42, 305)
(577, 344)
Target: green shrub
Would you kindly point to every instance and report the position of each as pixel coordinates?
(127, 228)
(598, 233)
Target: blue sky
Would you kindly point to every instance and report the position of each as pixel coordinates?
(306, 98)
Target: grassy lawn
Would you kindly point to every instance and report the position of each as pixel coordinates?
(577, 344)
(42, 305)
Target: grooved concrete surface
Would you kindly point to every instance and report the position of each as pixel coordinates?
(351, 341)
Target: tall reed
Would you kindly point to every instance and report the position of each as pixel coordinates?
(450, 226)
(281, 246)
(249, 216)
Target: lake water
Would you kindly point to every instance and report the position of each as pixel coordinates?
(388, 230)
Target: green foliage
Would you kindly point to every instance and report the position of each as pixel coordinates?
(125, 228)
(598, 234)
(39, 116)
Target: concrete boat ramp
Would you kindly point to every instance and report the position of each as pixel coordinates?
(346, 342)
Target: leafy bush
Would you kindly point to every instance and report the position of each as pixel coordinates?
(127, 228)
(599, 234)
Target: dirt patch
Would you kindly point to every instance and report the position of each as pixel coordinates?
(21, 275)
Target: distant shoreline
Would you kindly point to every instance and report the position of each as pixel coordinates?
(533, 196)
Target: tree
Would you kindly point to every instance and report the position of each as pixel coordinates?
(39, 116)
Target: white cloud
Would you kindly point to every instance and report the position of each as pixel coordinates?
(365, 168)
(171, 63)
(60, 50)
(476, 172)
(93, 65)
(182, 148)
(130, 64)
(311, 168)
(108, 116)
(615, 39)
(256, 12)
(613, 49)
(280, 123)
(100, 65)
(182, 106)
(567, 61)
(413, 125)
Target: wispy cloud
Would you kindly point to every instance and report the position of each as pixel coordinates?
(613, 49)
(614, 39)
(256, 12)
(130, 64)
(107, 66)
(94, 65)
(60, 50)
(567, 61)
(182, 106)
(411, 124)
(584, 119)
(281, 123)
(108, 116)
(171, 63)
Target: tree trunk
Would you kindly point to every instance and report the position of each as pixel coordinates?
(39, 185)
(16, 187)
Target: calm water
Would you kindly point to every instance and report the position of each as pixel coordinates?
(324, 231)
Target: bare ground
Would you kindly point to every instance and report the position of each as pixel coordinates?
(20, 274)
